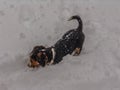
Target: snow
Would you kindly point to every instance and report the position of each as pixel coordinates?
(27, 23)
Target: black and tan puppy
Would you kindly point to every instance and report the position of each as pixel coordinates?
(71, 42)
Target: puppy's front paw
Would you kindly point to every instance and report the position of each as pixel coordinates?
(77, 52)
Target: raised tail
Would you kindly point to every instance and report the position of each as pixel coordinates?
(80, 26)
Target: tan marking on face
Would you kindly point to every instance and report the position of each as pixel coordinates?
(33, 63)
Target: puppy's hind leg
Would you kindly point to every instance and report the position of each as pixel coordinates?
(79, 45)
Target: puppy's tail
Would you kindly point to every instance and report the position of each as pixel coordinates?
(80, 26)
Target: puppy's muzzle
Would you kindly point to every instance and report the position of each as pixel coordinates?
(33, 64)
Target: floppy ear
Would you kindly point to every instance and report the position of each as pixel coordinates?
(43, 63)
(43, 60)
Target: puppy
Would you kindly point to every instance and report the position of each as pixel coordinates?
(71, 42)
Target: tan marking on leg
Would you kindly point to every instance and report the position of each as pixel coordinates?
(76, 52)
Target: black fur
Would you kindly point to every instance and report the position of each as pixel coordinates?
(66, 45)
(70, 40)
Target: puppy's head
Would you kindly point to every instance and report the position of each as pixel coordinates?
(38, 57)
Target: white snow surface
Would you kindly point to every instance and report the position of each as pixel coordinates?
(27, 23)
